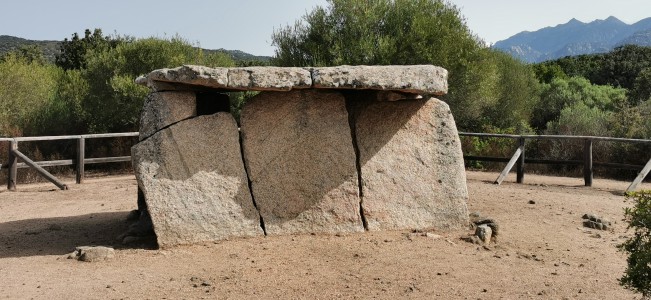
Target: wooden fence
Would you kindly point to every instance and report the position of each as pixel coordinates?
(80, 160)
(519, 159)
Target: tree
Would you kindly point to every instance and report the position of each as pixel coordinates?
(73, 51)
(25, 87)
(623, 65)
(579, 119)
(517, 92)
(400, 32)
(632, 121)
(113, 101)
(560, 94)
(641, 90)
(546, 72)
(27, 53)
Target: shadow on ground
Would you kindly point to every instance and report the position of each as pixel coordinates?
(60, 236)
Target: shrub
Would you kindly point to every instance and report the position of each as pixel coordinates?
(25, 88)
(638, 272)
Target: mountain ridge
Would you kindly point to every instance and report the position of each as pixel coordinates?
(575, 38)
(51, 49)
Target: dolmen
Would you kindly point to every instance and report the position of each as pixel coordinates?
(317, 150)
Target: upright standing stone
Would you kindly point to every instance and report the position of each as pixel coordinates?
(412, 168)
(162, 109)
(194, 182)
(301, 162)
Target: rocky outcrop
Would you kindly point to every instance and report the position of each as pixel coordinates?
(194, 182)
(411, 164)
(301, 162)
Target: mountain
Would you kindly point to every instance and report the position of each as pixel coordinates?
(9, 43)
(51, 49)
(574, 38)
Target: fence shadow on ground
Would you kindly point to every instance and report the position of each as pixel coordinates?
(60, 236)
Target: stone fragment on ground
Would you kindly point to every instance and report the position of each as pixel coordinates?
(140, 231)
(595, 222)
(484, 233)
(490, 223)
(92, 253)
(486, 230)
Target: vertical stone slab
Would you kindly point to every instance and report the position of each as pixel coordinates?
(194, 182)
(412, 168)
(164, 108)
(301, 162)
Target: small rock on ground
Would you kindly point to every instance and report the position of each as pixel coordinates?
(92, 254)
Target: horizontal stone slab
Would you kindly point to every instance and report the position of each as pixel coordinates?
(418, 79)
(415, 79)
(269, 78)
(189, 74)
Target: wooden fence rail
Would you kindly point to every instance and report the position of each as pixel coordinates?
(517, 159)
(79, 161)
(587, 162)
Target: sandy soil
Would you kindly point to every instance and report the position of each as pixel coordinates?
(543, 251)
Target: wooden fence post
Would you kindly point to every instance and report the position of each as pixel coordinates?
(13, 166)
(81, 153)
(509, 166)
(587, 162)
(640, 177)
(40, 169)
(520, 166)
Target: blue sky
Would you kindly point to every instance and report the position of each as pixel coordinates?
(247, 24)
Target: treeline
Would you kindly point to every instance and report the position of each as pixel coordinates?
(90, 88)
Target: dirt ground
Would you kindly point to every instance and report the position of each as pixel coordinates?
(543, 251)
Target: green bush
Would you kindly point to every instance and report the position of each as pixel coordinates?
(568, 93)
(26, 87)
(638, 272)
